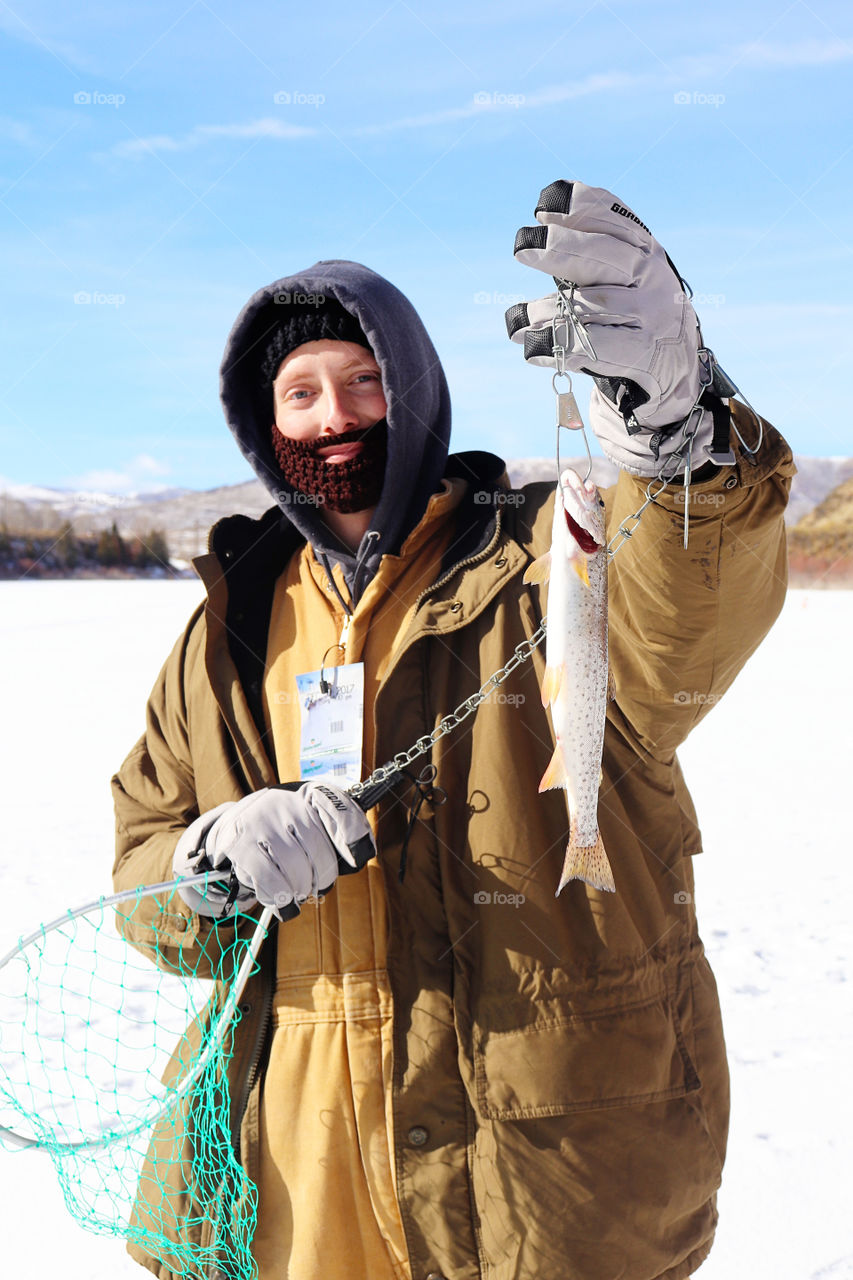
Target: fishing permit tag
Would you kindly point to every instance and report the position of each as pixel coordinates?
(331, 707)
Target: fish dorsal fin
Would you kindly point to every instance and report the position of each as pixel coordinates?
(539, 570)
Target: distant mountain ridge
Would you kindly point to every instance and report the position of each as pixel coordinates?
(186, 515)
(820, 547)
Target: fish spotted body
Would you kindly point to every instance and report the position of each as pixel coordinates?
(576, 669)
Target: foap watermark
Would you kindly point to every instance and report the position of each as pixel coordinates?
(682, 898)
(283, 900)
(486, 99)
(697, 99)
(499, 498)
(83, 298)
(296, 98)
(685, 697)
(494, 299)
(506, 699)
(697, 499)
(701, 299)
(286, 298)
(297, 499)
(485, 899)
(94, 98)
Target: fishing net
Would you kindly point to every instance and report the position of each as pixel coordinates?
(116, 1030)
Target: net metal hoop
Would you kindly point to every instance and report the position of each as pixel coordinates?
(157, 1109)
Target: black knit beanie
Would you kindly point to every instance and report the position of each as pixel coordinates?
(322, 317)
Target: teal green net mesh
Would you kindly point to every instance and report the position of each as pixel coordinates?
(111, 1062)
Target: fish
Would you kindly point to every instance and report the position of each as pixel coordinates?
(577, 684)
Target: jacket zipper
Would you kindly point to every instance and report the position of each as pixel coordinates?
(462, 564)
(439, 582)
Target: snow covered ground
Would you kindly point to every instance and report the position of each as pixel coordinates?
(769, 770)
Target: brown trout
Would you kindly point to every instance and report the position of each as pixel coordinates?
(576, 672)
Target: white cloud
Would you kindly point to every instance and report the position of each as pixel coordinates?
(16, 131)
(71, 56)
(807, 53)
(140, 474)
(264, 128)
(711, 68)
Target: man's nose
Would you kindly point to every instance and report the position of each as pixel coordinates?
(339, 412)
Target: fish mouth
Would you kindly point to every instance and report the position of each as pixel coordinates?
(582, 537)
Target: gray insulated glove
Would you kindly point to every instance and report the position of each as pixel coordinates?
(282, 844)
(630, 325)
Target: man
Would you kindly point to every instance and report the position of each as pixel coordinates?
(441, 1070)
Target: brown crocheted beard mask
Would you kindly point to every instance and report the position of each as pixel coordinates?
(341, 486)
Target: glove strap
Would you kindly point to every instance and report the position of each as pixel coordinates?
(234, 888)
(716, 387)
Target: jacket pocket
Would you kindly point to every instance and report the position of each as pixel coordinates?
(618, 1057)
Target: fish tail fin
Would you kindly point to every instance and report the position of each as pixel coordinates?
(539, 570)
(588, 863)
(551, 682)
(579, 566)
(555, 775)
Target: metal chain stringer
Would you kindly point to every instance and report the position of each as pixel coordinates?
(662, 481)
(453, 719)
(524, 650)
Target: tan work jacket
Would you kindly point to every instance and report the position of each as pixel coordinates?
(558, 1082)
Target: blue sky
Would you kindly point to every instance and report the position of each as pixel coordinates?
(168, 159)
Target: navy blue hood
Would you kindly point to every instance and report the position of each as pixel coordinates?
(415, 389)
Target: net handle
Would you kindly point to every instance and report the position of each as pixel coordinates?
(235, 991)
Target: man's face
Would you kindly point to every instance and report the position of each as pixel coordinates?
(325, 388)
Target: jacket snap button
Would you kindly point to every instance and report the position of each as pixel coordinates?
(500, 562)
(456, 606)
(418, 1136)
(730, 483)
(435, 1275)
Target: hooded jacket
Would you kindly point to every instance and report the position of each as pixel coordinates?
(558, 1084)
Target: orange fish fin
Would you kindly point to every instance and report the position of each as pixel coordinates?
(588, 863)
(539, 570)
(551, 682)
(555, 775)
(579, 566)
